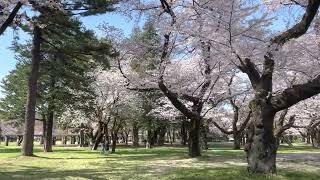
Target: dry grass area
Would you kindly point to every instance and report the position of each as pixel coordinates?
(220, 162)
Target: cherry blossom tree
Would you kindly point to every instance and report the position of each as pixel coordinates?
(238, 119)
(261, 147)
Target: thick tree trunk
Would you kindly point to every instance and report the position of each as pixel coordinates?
(204, 137)
(126, 138)
(114, 142)
(81, 138)
(27, 147)
(173, 136)
(194, 138)
(44, 129)
(161, 136)
(98, 137)
(312, 139)
(184, 133)
(107, 142)
(48, 138)
(154, 136)
(54, 141)
(237, 140)
(106, 136)
(308, 138)
(261, 147)
(149, 139)
(243, 140)
(169, 136)
(135, 135)
(317, 137)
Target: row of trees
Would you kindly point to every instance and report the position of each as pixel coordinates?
(234, 37)
(205, 65)
(54, 23)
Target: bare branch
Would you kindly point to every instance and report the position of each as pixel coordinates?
(221, 128)
(295, 94)
(301, 27)
(10, 18)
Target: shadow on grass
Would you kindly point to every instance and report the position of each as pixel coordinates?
(237, 173)
(138, 164)
(15, 150)
(118, 171)
(44, 173)
(67, 158)
(104, 171)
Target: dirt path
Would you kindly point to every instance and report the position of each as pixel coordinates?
(298, 158)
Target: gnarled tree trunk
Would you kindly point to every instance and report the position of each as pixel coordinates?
(261, 147)
(194, 137)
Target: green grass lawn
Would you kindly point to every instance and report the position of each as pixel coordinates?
(220, 162)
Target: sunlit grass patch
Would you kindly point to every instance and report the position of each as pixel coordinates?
(139, 163)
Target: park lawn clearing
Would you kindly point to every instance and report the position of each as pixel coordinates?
(157, 163)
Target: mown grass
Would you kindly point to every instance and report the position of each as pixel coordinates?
(220, 162)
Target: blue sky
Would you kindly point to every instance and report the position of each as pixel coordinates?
(7, 59)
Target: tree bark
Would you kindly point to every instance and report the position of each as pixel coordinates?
(114, 142)
(261, 147)
(135, 135)
(194, 138)
(81, 138)
(173, 136)
(44, 129)
(149, 138)
(27, 147)
(49, 129)
(106, 135)
(237, 140)
(98, 137)
(126, 137)
(53, 140)
(161, 136)
(184, 133)
(10, 18)
(204, 137)
(308, 137)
